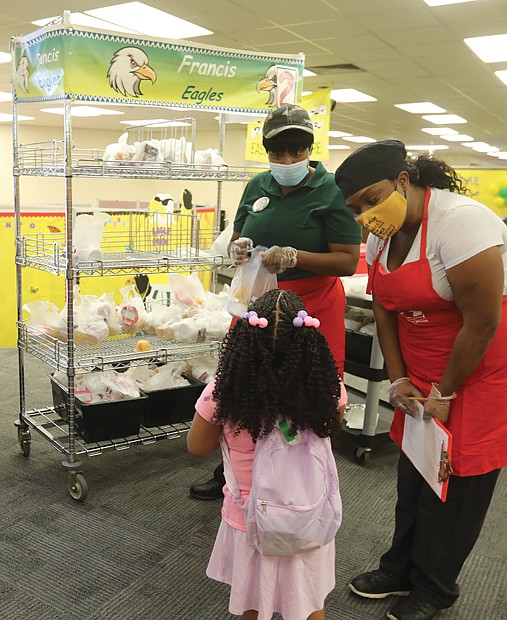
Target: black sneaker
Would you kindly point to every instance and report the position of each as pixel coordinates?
(210, 490)
(379, 583)
(413, 608)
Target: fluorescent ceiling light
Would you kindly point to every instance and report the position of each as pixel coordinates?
(338, 134)
(338, 147)
(4, 57)
(443, 119)
(143, 18)
(427, 147)
(308, 73)
(439, 131)
(495, 153)
(423, 107)
(83, 111)
(80, 19)
(359, 139)
(482, 147)
(445, 2)
(502, 75)
(350, 95)
(5, 96)
(7, 118)
(502, 155)
(158, 122)
(489, 49)
(306, 92)
(457, 137)
(136, 17)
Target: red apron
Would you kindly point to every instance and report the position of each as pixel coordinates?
(324, 298)
(427, 328)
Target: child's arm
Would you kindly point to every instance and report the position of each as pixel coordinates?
(203, 437)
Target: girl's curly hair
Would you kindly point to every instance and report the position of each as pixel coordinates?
(426, 171)
(277, 370)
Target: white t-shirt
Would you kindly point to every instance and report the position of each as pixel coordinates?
(459, 227)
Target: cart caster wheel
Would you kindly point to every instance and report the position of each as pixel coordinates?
(361, 456)
(24, 439)
(77, 487)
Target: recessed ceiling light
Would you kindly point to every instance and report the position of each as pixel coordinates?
(308, 73)
(157, 122)
(457, 137)
(4, 57)
(306, 92)
(337, 134)
(495, 153)
(439, 131)
(338, 147)
(445, 2)
(422, 107)
(80, 19)
(83, 111)
(502, 155)
(443, 119)
(502, 75)
(137, 17)
(5, 96)
(489, 49)
(7, 118)
(482, 147)
(427, 147)
(350, 95)
(359, 139)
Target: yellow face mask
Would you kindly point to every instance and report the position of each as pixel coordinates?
(386, 218)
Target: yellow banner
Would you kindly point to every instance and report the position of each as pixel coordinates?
(487, 186)
(318, 105)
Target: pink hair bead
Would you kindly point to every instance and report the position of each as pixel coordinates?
(316, 323)
(253, 320)
(262, 322)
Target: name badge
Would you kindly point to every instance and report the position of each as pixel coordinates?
(260, 204)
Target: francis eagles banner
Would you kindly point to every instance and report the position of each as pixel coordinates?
(61, 62)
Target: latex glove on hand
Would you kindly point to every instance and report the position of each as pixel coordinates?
(277, 259)
(399, 394)
(436, 405)
(239, 250)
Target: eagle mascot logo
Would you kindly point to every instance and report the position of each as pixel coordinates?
(127, 68)
(23, 73)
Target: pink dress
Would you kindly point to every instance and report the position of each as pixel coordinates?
(294, 586)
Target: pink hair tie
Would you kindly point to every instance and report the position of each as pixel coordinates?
(254, 320)
(304, 319)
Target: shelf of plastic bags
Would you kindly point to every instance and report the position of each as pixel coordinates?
(137, 241)
(48, 159)
(115, 351)
(49, 423)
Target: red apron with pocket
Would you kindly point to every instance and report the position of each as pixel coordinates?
(427, 328)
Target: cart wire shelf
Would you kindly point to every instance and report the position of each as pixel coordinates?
(48, 159)
(134, 242)
(116, 351)
(48, 423)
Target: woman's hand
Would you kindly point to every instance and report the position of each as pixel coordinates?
(437, 406)
(239, 250)
(399, 396)
(277, 259)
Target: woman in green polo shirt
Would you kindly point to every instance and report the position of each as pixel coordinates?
(298, 213)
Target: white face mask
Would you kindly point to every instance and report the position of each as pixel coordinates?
(290, 175)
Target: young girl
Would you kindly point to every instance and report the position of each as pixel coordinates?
(271, 364)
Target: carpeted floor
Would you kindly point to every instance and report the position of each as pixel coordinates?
(137, 548)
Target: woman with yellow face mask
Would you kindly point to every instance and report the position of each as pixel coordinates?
(437, 271)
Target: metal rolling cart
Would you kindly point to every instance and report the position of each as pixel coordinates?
(363, 359)
(131, 251)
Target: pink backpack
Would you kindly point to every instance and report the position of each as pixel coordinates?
(294, 504)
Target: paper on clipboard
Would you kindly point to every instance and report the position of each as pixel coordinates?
(424, 440)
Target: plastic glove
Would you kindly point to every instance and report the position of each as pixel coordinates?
(277, 259)
(399, 394)
(436, 405)
(239, 250)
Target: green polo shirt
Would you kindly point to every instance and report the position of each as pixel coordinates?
(308, 218)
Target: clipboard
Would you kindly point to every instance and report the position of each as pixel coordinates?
(428, 444)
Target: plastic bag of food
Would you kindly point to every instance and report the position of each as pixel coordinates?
(45, 317)
(87, 235)
(131, 311)
(250, 281)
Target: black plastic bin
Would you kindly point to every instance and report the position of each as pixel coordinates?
(103, 420)
(172, 405)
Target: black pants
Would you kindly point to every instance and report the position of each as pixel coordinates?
(218, 474)
(432, 539)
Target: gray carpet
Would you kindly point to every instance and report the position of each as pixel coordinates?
(137, 548)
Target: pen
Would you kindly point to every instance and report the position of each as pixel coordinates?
(419, 398)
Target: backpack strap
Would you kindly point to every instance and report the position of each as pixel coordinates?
(230, 478)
